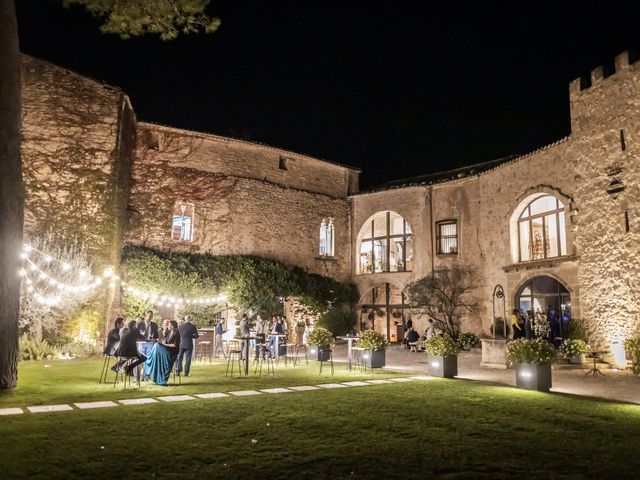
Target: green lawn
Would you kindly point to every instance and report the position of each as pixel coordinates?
(422, 429)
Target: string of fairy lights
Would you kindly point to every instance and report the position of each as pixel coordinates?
(37, 273)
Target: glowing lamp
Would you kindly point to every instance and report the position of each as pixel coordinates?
(525, 374)
(435, 364)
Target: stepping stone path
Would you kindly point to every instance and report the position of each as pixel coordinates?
(175, 398)
(211, 395)
(49, 408)
(276, 390)
(88, 405)
(245, 393)
(11, 411)
(137, 401)
(182, 398)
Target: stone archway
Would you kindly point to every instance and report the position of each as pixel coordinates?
(548, 297)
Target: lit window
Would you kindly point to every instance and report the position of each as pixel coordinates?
(327, 241)
(541, 230)
(182, 224)
(447, 237)
(385, 244)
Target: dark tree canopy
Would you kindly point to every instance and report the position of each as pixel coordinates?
(445, 296)
(166, 18)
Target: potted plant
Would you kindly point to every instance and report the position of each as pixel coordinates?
(320, 341)
(375, 345)
(442, 360)
(466, 341)
(574, 350)
(533, 359)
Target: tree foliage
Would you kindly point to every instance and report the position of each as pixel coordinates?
(445, 296)
(166, 18)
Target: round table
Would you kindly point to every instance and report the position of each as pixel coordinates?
(595, 354)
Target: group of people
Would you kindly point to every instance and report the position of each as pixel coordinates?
(159, 349)
(277, 325)
(536, 324)
(413, 339)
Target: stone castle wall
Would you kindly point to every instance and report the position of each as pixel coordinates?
(77, 143)
(238, 209)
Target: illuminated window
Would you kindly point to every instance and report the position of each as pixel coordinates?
(182, 223)
(327, 240)
(447, 237)
(385, 244)
(541, 230)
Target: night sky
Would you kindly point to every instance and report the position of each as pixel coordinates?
(397, 88)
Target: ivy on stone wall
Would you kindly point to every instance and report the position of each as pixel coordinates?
(249, 282)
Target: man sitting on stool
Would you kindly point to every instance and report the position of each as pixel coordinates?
(188, 332)
(128, 350)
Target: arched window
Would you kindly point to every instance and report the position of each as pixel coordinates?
(385, 244)
(541, 229)
(182, 223)
(327, 241)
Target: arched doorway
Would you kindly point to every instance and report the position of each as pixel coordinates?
(384, 309)
(549, 298)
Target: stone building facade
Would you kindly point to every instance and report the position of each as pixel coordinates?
(558, 228)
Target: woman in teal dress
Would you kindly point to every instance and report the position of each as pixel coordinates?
(163, 355)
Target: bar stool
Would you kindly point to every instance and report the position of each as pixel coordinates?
(105, 368)
(233, 356)
(261, 357)
(121, 373)
(321, 352)
(290, 354)
(297, 357)
(356, 357)
(204, 351)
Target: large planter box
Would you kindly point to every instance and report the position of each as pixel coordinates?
(577, 360)
(376, 358)
(533, 376)
(315, 354)
(446, 366)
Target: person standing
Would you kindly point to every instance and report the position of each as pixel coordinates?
(431, 329)
(148, 328)
(244, 332)
(188, 333)
(217, 341)
(515, 324)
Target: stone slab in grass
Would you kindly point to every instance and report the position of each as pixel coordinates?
(331, 385)
(88, 405)
(175, 398)
(244, 393)
(303, 388)
(211, 395)
(276, 390)
(378, 382)
(138, 401)
(11, 411)
(356, 384)
(422, 377)
(402, 379)
(49, 408)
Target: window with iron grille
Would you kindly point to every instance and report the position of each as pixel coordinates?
(447, 237)
(327, 241)
(182, 223)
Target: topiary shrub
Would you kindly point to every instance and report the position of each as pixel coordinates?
(441, 346)
(320, 337)
(537, 351)
(372, 340)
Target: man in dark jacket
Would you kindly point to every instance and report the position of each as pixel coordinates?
(113, 339)
(188, 332)
(148, 328)
(128, 350)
